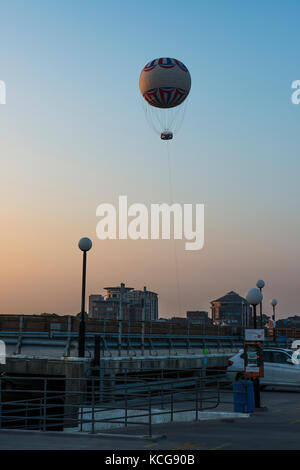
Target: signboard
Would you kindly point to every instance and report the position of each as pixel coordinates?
(255, 335)
(2, 352)
(271, 328)
(253, 359)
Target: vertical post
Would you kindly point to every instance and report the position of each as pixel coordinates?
(126, 402)
(274, 324)
(244, 310)
(172, 404)
(260, 309)
(128, 336)
(143, 322)
(0, 402)
(202, 385)
(256, 379)
(45, 404)
(218, 390)
(93, 405)
(256, 392)
(260, 285)
(81, 347)
(81, 417)
(120, 318)
(97, 351)
(26, 416)
(197, 398)
(149, 411)
(243, 316)
(101, 381)
(162, 388)
(40, 416)
(254, 315)
(242, 305)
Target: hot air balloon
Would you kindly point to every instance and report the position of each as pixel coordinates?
(165, 84)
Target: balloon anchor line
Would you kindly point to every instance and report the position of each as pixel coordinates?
(175, 248)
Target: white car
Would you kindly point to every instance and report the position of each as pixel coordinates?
(280, 367)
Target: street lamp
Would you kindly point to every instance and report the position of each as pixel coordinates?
(274, 302)
(254, 297)
(260, 284)
(85, 244)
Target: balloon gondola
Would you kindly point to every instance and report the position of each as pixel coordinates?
(166, 135)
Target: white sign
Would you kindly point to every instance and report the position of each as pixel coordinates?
(252, 368)
(2, 352)
(255, 335)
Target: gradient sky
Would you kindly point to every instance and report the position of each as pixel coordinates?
(73, 135)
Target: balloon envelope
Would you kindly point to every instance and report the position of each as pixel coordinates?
(165, 82)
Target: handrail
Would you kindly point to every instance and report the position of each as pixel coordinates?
(90, 403)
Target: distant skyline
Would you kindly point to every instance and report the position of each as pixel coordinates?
(74, 135)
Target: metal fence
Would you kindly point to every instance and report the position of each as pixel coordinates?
(103, 404)
(50, 324)
(21, 330)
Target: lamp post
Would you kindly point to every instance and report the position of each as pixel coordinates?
(85, 244)
(274, 302)
(122, 290)
(254, 297)
(260, 284)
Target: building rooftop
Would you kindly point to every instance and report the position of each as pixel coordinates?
(230, 297)
(118, 288)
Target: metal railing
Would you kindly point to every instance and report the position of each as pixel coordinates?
(102, 404)
(68, 324)
(23, 332)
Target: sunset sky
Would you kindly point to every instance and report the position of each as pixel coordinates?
(74, 135)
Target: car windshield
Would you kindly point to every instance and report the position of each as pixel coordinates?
(292, 351)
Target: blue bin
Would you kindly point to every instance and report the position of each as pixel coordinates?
(243, 396)
(282, 339)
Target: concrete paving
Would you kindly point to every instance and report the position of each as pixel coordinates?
(278, 428)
